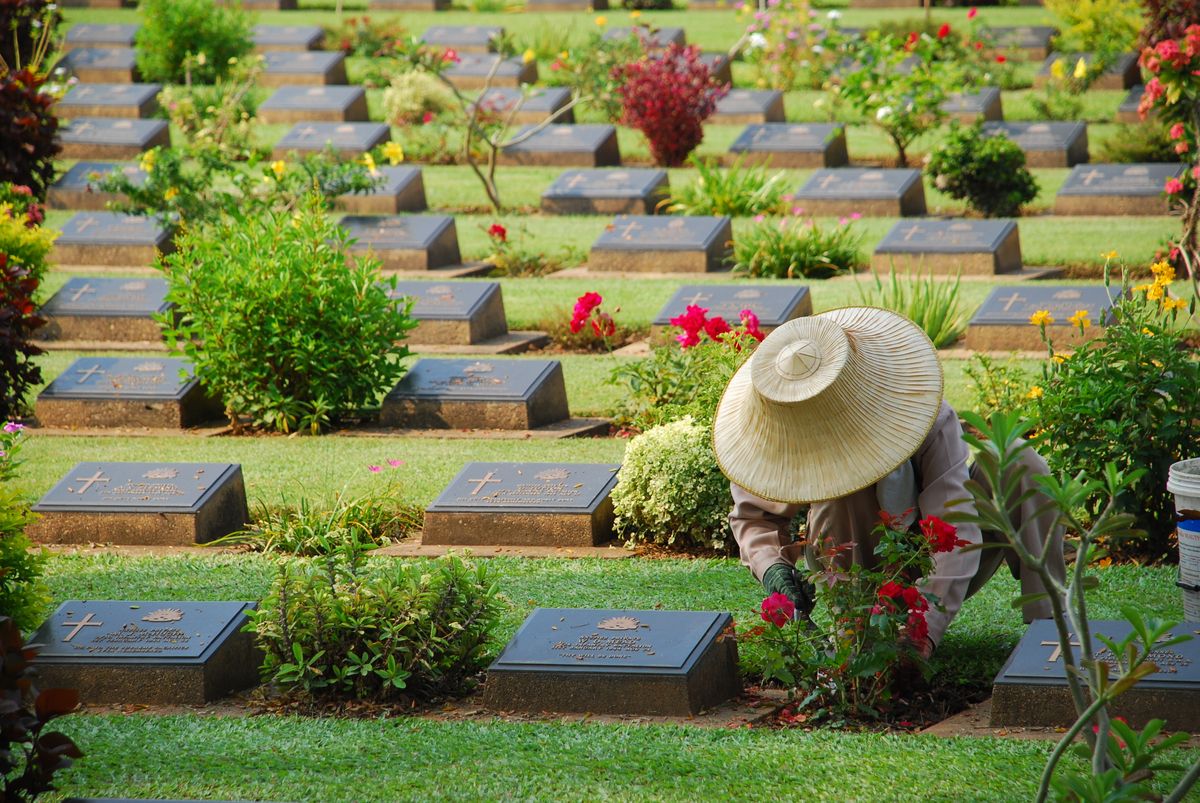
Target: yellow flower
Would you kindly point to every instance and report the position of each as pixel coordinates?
(1156, 363)
(1155, 292)
(1142, 288)
(1169, 304)
(564, 55)
(1058, 69)
(394, 153)
(1041, 318)
(170, 193)
(634, 14)
(148, 160)
(278, 167)
(368, 162)
(1081, 69)
(1080, 319)
(1163, 272)
(1035, 392)
(601, 20)
(1146, 331)
(1060, 358)
(1109, 255)
(528, 55)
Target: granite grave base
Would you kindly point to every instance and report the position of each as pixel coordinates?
(1002, 322)
(774, 306)
(402, 190)
(471, 71)
(1116, 189)
(660, 244)
(749, 106)
(110, 100)
(1046, 144)
(792, 145)
(454, 313)
(947, 247)
(560, 145)
(606, 192)
(287, 37)
(96, 310)
(839, 191)
(326, 104)
(109, 239)
(99, 35)
(530, 109)
(464, 38)
(103, 65)
(75, 189)
(405, 242)
(111, 137)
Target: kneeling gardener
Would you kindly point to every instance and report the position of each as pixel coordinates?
(843, 411)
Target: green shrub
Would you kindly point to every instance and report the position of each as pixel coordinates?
(674, 383)
(734, 191)
(792, 247)
(1139, 142)
(281, 324)
(590, 70)
(988, 172)
(414, 94)
(24, 248)
(362, 36)
(218, 117)
(997, 386)
(23, 595)
(670, 490)
(1107, 28)
(930, 303)
(190, 40)
(381, 630)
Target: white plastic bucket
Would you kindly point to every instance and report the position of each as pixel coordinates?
(1184, 481)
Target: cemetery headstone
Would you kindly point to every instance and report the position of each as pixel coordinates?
(524, 504)
(160, 392)
(653, 244)
(264, 5)
(566, 5)
(96, 310)
(1124, 73)
(77, 188)
(606, 192)
(1127, 112)
(308, 67)
(883, 4)
(565, 146)
(408, 5)
(1116, 189)
(651, 38)
(793, 145)
(1046, 144)
(472, 69)
(148, 504)
(147, 652)
(99, 35)
(719, 67)
(407, 242)
(454, 313)
(1002, 322)
(835, 191)
(349, 140)
(478, 394)
(1031, 42)
(747, 106)
(464, 38)
(110, 239)
(109, 100)
(286, 37)
(103, 65)
(329, 104)
(111, 137)
(648, 663)
(967, 107)
(532, 108)
(1031, 690)
(402, 190)
(972, 247)
(774, 305)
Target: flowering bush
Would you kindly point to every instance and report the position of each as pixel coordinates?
(218, 117)
(511, 257)
(23, 595)
(361, 36)
(181, 41)
(587, 311)
(695, 321)
(415, 97)
(733, 191)
(668, 98)
(786, 49)
(592, 71)
(670, 490)
(988, 172)
(24, 247)
(794, 247)
(876, 619)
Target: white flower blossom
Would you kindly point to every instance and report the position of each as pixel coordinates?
(757, 42)
(883, 113)
(834, 15)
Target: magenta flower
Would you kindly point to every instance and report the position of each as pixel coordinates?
(395, 463)
(12, 426)
(374, 469)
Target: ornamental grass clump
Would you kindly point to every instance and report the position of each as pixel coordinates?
(931, 303)
(734, 191)
(792, 247)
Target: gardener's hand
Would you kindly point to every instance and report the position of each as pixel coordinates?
(783, 579)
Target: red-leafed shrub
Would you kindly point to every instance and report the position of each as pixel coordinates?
(28, 130)
(668, 98)
(1167, 19)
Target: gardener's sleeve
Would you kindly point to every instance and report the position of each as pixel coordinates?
(761, 528)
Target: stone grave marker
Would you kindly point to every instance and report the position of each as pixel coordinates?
(76, 189)
(327, 104)
(1046, 144)
(748, 106)
(349, 140)
(774, 305)
(109, 100)
(636, 663)
(472, 69)
(405, 242)
(793, 144)
(286, 37)
(890, 192)
(524, 504)
(651, 38)
(111, 137)
(147, 652)
(532, 108)
(464, 38)
(96, 310)
(1031, 42)
(654, 244)
(1127, 112)
(719, 67)
(99, 35)
(1116, 189)
(308, 67)
(974, 247)
(1002, 322)
(566, 5)
(565, 146)
(264, 5)
(402, 190)
(103, 65)
(1031, 689)
(606, 192)
(967, 107)
(112, 240)
(454, 313)
(478, 394)
(160, 392)
(1124, 73)
(408, 5)
(149, 504)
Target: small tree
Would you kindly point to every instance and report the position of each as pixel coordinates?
(988, 172)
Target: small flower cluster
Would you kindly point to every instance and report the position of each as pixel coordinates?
(10, 445)
(16, 200)
(394, 463)
(695, 320)
(587, 310)
(1160, 289)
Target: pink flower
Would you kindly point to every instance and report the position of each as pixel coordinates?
(1173, 186)
(971, 14)
(842, 221)
(451, 56)
(1176, 131)
(395, 463)
(427, 118)
(1181, 147)
(750, 324)
(12, 426)
(21, 189)
(374, 469)
(778, 609)
(856, 215)
(759, 218)
(1196, 173)
(797, 210)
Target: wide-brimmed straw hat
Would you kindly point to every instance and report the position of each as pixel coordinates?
(828, 405)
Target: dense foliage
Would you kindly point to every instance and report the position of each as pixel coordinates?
(592, 70)
(24, 247)
(28, 129)
(988, 172)
(185, 41)
(792, 248)
(930, 302)
(23, 595)
(734, 191)
(25, 23)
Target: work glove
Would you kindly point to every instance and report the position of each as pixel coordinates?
(781, 578)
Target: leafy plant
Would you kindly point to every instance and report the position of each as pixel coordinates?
(26, 25)
(416, 97)
(23, 594)
(362, 36)
(24, 248)
(997, 386)
(257, 295)
(1061, 97)
(734, 191)
(927, 301)
(1138, 142)
(511, 257)
(384, 630)
(793, 248)
(988, 172)
(181, 41)
(29, 129)
(591, 69)
(1106, 28)
(668, 97)
(218, 117)
(787, 50)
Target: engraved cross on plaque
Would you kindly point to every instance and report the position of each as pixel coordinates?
(1012, 300)
(630, 228)
(908, 235)
(1091, 176)
(89, 373)
(82, 623)
(482, 481)
(827, 180)
(85, 224)
(88, 482)
(87, 288)
(1054, 656)
(697, 298)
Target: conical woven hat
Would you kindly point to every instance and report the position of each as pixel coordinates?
(828, 405)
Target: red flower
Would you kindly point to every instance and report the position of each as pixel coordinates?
(498, 233)
(778, 609)
(427, 118)
(588, 302)
(971, 14)
(750, 323)
(1176, 131)
(979, 45)
(603, 325)
(1181, 147)
(692, 322)
(891, 590)
(1173, 186)
(913, 36)
(21, 189)
(942, 536)
(1168, 50)
(918, 628)
(914, 599)
(1000, 58)
(715, 327)
(451, 56)
(943, 31)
